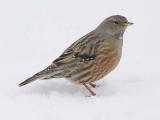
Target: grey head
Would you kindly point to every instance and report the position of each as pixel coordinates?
(113, 26)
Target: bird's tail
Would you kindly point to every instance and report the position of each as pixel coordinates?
(49, 72)
(29, 80)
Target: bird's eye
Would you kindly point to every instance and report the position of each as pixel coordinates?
(115, 22)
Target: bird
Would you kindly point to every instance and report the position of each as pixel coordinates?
(91, 57)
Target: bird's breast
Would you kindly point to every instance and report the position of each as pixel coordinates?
(106, 62)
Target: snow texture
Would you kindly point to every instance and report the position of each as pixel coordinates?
(33, 33)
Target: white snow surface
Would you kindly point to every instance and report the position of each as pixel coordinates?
(35, 32)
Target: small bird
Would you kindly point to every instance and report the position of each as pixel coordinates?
(91, 57)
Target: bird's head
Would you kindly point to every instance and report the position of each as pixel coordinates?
(114, 25)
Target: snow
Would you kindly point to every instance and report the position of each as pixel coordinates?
(34, 33)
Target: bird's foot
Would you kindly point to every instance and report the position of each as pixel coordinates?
(93, 85)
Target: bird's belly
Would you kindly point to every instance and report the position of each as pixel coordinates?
(105, 64)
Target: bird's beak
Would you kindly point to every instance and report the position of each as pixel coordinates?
(128, 23)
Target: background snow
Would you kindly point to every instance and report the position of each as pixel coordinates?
(35, 32)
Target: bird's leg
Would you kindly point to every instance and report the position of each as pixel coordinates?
(89, 89)
(93, 85)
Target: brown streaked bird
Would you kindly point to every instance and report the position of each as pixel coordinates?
(91, 57)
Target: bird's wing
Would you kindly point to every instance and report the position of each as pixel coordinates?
(84, 49)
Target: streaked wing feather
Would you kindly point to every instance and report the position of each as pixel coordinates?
(84, 49)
